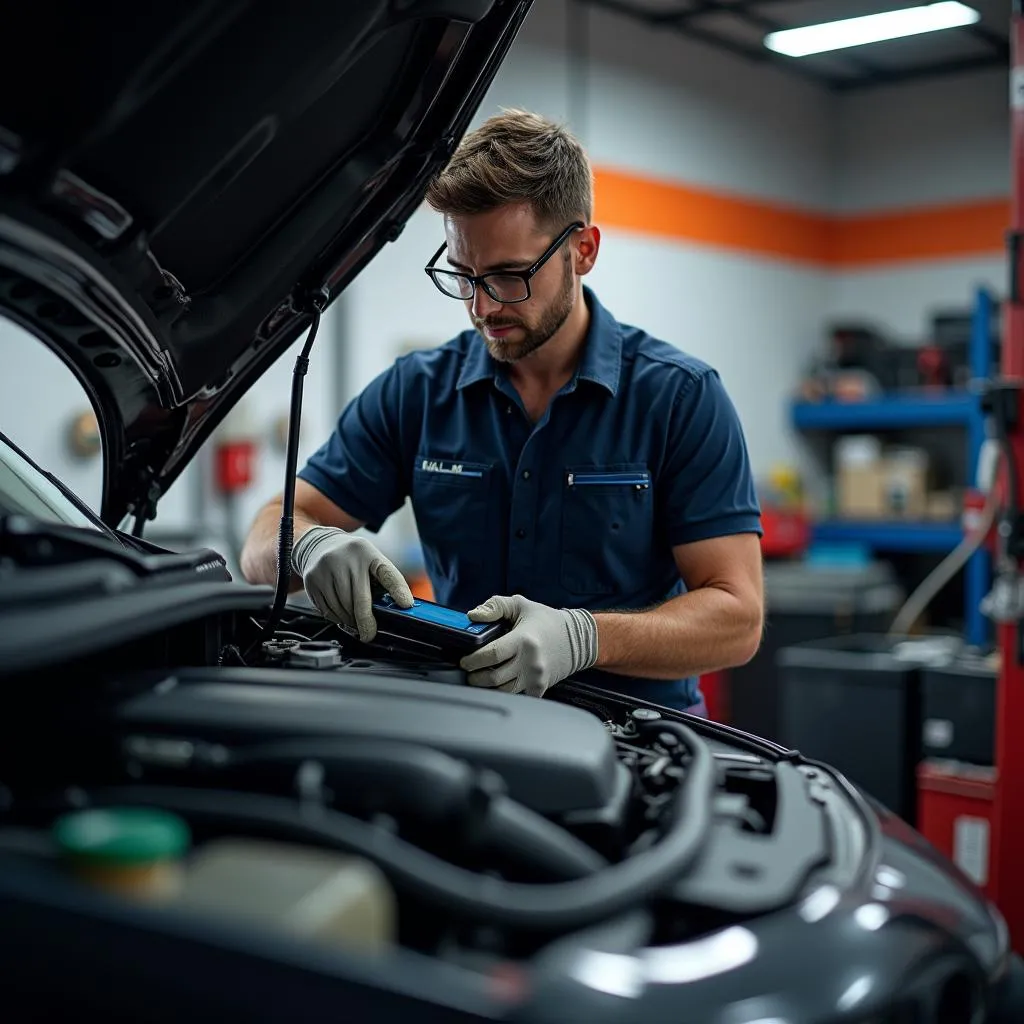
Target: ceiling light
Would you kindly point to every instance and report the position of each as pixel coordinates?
(872, 28)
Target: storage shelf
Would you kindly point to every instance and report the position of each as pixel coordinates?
(888, 413)
(907, 411)
(892, 536)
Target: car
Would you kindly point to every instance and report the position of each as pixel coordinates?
(215, 803)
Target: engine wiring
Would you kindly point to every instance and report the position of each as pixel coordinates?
(277, 634)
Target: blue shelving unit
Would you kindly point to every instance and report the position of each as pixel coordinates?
(940, 538)
(914, 411)
(890, 413)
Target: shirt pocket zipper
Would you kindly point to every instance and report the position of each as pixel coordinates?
(637, 480)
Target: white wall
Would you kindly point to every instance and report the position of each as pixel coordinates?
(679, 110)
(900, 298)
(919, 143)
(916, 145)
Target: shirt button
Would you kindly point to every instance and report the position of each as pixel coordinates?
(520, 533)
(526, 474)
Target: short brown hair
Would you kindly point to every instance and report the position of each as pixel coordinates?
(517, 157)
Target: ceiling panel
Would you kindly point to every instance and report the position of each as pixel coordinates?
(732, 27)
(913, 51)
(739, 27)
(811, 12)
(833, 67)
(661, 8)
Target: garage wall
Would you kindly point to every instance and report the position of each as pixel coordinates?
(940, 147)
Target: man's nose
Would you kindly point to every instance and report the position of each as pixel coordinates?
(483, 304)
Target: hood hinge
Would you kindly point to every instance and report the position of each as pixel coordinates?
(310, 300)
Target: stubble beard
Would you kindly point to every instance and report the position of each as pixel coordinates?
(533, 336)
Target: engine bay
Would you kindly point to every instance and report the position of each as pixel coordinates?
(496, 823)
(328, 820)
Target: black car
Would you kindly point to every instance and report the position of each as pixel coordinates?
(209, 805)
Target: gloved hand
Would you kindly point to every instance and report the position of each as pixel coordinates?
(338, 571)
(544, 646)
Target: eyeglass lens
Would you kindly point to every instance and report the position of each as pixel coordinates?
(501, 287)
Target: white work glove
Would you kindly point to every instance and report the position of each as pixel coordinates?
(338, 571)
(544, 646)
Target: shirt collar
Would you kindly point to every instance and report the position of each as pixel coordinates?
(602, 352)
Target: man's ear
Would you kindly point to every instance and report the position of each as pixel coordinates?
(588, 242)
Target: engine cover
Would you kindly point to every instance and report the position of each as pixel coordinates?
(554, 758)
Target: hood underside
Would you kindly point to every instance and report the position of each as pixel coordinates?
(178, 187)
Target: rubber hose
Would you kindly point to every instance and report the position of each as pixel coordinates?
(558, 906)
(515, 831)
(433, 787)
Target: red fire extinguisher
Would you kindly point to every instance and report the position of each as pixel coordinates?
(235, 453)
(234, 466)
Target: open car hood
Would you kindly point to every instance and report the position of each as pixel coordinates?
(177, 188)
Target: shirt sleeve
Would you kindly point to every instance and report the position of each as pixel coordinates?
(359, 467)
(707, 484)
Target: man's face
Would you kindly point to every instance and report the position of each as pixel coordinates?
(509, 238)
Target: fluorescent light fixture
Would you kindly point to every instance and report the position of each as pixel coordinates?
(872, 28)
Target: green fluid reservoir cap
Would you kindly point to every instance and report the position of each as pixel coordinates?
(121, 835)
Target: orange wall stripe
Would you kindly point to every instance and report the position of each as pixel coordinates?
(683, 212)
(938, 232)
(672, 210)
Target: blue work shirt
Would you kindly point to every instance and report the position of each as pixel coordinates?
(641, 450)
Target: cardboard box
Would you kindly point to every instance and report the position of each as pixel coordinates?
(906, 483)
(874, 484)
(858, 477)
(860, 492)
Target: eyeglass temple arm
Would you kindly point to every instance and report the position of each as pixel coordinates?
(575, 226)
(433, 259)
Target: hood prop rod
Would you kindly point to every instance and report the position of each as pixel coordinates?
(317, 305)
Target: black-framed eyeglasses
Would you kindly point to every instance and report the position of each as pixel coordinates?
(503, 286)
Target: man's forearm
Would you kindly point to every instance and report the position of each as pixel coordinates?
(703, 631)
(259, 554)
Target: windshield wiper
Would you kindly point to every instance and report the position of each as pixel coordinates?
(82, 507)
(66, 492)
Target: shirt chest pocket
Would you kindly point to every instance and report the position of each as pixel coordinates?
(607, 528)
(451, 503)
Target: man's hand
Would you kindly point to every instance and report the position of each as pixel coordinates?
(338, 571)
(544, 646)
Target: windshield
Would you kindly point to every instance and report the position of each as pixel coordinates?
(25, 490)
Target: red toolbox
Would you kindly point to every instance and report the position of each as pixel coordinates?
(954, 813)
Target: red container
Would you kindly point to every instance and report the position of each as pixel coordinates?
(785, 533)
(716, 696)
(954, 813)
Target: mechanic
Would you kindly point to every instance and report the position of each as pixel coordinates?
(569, 473)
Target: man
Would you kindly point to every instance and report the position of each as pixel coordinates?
(568, 473)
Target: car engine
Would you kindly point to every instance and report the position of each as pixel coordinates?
(506, 839)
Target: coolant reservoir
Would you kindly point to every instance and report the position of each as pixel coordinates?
(143, 854)
(133, 851)
(311, 893)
